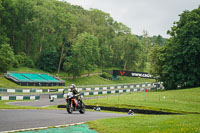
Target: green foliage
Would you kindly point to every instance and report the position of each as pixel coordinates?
(85, 54)
(23, 61)
(127, 51)
(32, 26)
(6, 57)
(73, 66)
(178, 60)
(159, 40)
(28, 63)
(48, 60)
(106, 76)
(155, 60)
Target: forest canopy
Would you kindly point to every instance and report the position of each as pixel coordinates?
(53, 35)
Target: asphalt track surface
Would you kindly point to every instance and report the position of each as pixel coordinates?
(39, 103)
(24, 119)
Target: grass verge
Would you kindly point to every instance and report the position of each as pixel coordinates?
(185, 101)
(179, 101)
(148, 124)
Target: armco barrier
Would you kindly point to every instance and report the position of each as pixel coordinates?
(19, 97)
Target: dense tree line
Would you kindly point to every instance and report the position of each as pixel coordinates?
(55, 36)
(177, 63)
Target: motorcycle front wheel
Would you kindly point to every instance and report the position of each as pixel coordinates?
(82, 108)
(69, 108)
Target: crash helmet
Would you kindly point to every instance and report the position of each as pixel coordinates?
(73, 86)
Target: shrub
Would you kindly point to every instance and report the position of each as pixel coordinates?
(6, 57)
(106, 76)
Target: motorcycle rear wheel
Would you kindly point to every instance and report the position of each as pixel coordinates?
(69, 108)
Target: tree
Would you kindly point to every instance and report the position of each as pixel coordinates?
(23, 60)
(85, 54)
(126, 51)
(104, 31)
(32, 26)
(3, 36)
(6, 57)
(145, 50)
(48, 60)
(156, 57)
(179, 58)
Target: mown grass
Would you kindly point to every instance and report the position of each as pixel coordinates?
(187, 100)
(148, 124)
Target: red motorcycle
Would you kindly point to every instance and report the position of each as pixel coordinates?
(73, 104)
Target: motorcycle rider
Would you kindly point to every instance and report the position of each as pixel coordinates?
(75, 92)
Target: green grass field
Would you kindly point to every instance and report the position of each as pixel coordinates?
(148, 124)
(185, 101)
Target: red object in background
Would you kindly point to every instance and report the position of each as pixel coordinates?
(122, 73)
(146, 90)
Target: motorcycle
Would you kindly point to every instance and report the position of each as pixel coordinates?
(73, 104)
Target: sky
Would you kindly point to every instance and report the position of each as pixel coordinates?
(154, 16)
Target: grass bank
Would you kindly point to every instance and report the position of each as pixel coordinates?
(148, 124)
(186, 101)
(181, 101)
